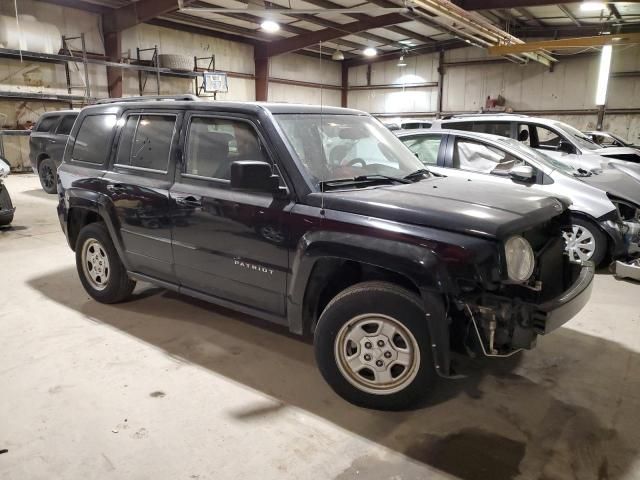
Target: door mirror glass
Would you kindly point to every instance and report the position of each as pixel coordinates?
(254, 176)
(522, 173)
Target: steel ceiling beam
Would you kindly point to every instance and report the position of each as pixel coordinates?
(120, 19)
(569, 15)
(248, 17)
(527, 16)
(363, 17)
(292, 44)
(396, 54)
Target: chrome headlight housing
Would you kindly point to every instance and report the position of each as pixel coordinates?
(520, 259)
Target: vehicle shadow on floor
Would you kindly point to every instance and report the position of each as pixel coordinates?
(565, 410)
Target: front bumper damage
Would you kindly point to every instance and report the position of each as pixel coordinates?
(504, 326)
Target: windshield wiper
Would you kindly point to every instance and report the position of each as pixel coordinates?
(362, 179)
(418, 173)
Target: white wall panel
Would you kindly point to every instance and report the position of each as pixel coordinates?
(279, 92)
(305, 69)
(396, 100)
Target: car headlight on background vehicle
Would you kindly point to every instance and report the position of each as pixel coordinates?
(520, 259)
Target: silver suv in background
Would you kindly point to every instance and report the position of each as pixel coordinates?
(609, 140)
(557, 139)
(600, 220)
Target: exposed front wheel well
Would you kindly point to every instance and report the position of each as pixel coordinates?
(331, 276)
(77, 219)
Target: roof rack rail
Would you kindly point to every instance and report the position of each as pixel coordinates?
(186, 97)
(484, 114)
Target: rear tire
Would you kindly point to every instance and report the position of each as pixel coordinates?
(5, 204)
(585, 241)
(48, 176)
(372, 346)
(101, 271)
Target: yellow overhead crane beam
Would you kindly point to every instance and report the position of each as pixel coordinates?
(578, 42)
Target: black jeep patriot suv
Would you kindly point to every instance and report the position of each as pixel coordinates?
(321, 220)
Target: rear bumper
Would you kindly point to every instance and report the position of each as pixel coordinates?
(553, 314)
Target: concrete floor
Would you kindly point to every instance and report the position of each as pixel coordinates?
(166, 387)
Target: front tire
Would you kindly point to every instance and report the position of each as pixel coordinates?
(101, 271)
(585, 241)
(48, 176)
(372, 346)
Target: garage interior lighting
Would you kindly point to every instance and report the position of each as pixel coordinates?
(592, 6)
(370, 52)
(603, 75)
(270, 26)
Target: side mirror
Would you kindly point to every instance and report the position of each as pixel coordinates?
(522, 173)
(565, 147)
(254, 176)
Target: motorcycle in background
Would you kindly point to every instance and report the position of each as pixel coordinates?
(6, 207)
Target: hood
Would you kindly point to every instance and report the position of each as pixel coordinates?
(621, 153)
(616, 182)
(467, 206)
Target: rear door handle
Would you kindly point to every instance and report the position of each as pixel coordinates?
(189, 201)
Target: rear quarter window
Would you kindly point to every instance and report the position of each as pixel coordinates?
(93, 140)
(47, 124)
(66, 125)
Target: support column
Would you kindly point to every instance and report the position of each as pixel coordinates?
(262, 78)
(440, 81)
(345, 85)
(601, 111)
(113, 49)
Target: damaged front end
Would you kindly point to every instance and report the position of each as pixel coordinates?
(509, 319)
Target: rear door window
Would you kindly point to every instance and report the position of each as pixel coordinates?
(47, 124)
(66, 125)
(502, 129)
(94, 139)
(481, 158)
(465, 126)
(146, 142)
(426, 148)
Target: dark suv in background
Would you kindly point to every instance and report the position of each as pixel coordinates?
(46, 145)
(320, 219)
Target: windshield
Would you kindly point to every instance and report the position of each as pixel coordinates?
(539, 156)
(336, 147)
(579, 138)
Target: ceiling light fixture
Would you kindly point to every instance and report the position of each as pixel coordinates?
(592, 6)
(370, 52)
(337, 55)
(401, 62)
(603, 75)
(270, 26)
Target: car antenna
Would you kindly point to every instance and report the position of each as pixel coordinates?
(321, 128)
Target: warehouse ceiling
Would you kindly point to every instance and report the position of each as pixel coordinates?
(323, 26)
